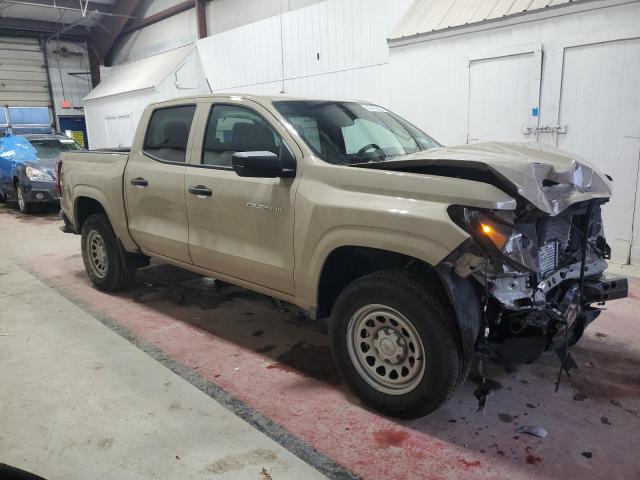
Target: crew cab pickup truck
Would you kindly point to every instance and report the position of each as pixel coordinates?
(420, 256)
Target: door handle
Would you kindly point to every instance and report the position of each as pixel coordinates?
(200, 191)
(139, 182)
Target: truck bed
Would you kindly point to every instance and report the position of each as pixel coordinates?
(98, 175)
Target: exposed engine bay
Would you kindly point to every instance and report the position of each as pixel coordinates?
(538, 277)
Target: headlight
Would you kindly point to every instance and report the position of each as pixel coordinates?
(495, 232)
(38, 175)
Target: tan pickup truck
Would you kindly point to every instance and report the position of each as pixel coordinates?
(420, 256)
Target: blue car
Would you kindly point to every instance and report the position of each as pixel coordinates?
(28, 168)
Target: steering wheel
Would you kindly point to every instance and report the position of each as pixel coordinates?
(370, 146)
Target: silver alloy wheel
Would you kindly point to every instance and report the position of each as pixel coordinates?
(97, 254)
(21, 203)
(385, 349)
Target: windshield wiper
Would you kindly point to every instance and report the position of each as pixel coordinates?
(377, 159)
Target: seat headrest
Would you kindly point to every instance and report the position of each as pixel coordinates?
(251, 137)
(176, 134)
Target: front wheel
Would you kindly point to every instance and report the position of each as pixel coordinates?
(23, 205)
(109, 267)
(395, 344)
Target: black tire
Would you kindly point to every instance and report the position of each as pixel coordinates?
(431, 321)
(3, 198)
(117, 267)
(23, 206)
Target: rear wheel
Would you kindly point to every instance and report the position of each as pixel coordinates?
(395, 344)
(109, 267)
(23, 205)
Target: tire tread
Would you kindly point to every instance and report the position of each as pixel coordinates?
(122, 265)
(441, 321)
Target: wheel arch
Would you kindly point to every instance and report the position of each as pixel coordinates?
(346, 263)
(19, 174)
(88, 200)
(349, 262)
(84, 207)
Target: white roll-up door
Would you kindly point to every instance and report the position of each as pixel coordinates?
(23, 79)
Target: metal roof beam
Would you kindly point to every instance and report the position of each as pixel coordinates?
(33, 28)
(63, 5)
(121, 12)
(162, 15)
(101, 39)
(71, 26)
(201, 18)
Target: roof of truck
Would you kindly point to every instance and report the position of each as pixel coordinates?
(257, 98)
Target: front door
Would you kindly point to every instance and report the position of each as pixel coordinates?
(154, 184)
(240, 226)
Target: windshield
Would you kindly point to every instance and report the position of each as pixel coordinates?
(51, 148)
(347, 133)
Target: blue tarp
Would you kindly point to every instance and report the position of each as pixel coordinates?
(14, 150)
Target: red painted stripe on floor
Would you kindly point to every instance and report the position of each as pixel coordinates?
(456, 442)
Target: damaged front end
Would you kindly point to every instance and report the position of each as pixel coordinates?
(529, 279)
(538, 276)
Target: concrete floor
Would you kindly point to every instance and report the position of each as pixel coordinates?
(250, 387)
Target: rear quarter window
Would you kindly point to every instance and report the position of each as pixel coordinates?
(168, 133)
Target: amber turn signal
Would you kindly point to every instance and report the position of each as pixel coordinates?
(497, 237)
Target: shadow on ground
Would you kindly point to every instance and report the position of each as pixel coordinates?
(40, 214)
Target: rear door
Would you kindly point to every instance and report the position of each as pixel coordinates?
(154, 183)
(244, 227)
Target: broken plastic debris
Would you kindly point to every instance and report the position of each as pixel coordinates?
(532, 430)
(482, 393)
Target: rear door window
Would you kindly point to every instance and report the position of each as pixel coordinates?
(168, 133)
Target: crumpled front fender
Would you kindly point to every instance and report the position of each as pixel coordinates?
(467, 307)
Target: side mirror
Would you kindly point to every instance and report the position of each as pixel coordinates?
(260, 164)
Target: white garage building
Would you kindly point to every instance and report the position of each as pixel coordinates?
(113, 108)
(564, 73)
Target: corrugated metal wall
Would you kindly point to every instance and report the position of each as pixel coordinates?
(270, 46)
(23, 79)
(303, 51)
(426, 16)
(223, 15)
(174, 32)
(179, 30)
(166, 35)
